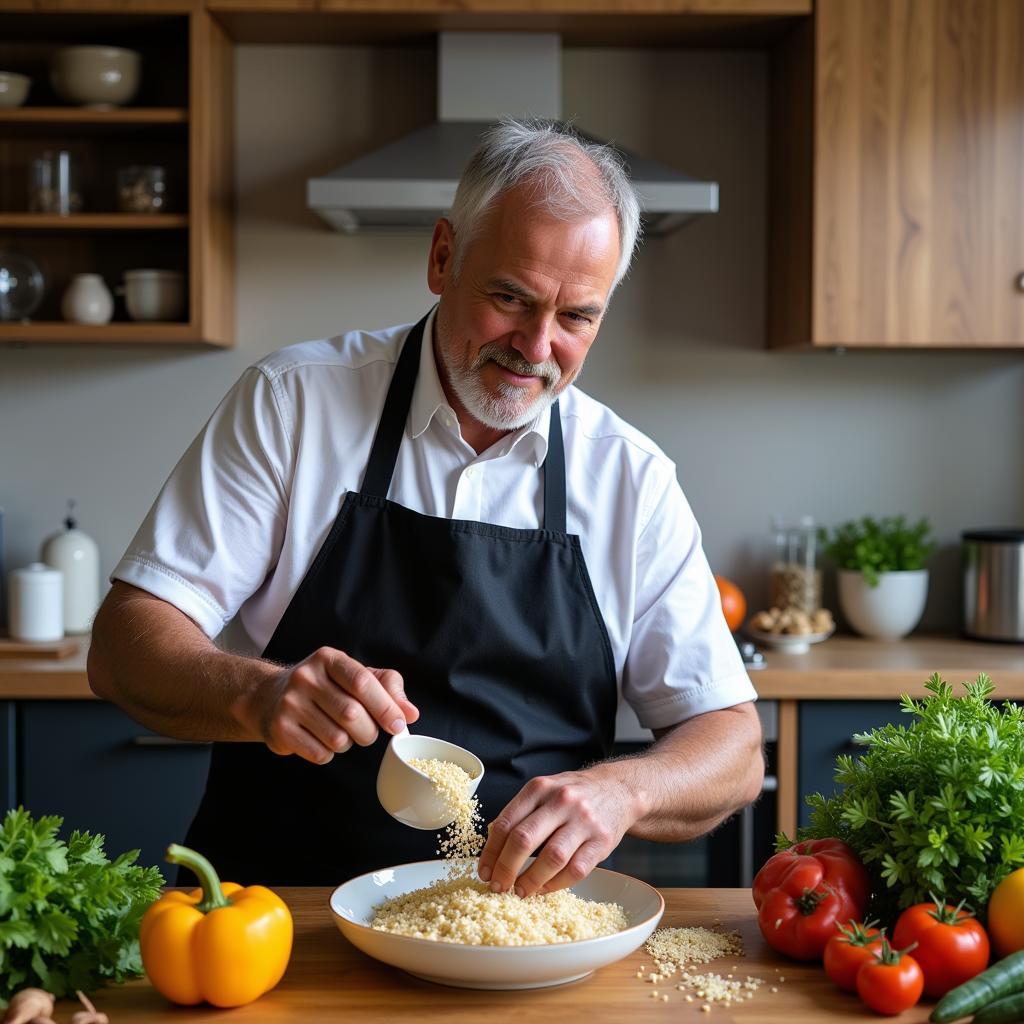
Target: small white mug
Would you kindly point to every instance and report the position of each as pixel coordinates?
(154, 294)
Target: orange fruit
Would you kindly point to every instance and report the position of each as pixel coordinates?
(734, 604)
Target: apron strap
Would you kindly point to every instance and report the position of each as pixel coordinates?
(384, 454)
(554, 475)
(380, 467)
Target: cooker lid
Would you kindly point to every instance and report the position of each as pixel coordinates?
(998, 536)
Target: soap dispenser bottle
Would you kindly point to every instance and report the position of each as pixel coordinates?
(76, 555)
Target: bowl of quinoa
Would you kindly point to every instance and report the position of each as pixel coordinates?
(437, 921)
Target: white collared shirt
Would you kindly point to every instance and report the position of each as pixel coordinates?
(252, 500)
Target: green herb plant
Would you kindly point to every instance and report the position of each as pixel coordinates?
(936, 805)
(875, 546)
(69, 917)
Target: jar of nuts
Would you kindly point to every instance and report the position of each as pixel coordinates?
(141, 189)
(796, 579)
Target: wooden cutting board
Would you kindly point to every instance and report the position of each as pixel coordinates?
(26, 649)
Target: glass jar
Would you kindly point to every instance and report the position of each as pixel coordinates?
(53, 185)
(796, 580)
(141, 189)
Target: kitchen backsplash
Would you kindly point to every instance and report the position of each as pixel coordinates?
(753, 433)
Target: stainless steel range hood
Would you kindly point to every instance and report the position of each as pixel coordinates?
(482, 76)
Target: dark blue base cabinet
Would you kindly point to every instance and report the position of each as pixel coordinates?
(88, 762)
(826, 729)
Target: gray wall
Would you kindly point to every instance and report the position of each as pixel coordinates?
(681, 354)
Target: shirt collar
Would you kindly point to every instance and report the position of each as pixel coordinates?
(429, 401)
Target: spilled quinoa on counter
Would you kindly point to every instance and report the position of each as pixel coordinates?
(460, 908)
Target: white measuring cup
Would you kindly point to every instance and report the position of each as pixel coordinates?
(406, 793)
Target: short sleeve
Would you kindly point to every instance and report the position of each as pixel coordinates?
(216, 528)
(682, 659)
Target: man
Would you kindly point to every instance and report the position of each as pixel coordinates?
(431, 526)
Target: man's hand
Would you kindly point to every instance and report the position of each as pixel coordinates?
(579, 817)
(321, 706)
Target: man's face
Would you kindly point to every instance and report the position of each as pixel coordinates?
(514, 327)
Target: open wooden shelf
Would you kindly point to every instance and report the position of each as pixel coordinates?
(83, 115)
(61, 333)
(179, 120)
(93, 221)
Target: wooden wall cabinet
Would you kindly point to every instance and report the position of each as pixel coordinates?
(181, 120)
(897, 212)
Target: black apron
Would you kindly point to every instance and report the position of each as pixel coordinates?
(499, 640)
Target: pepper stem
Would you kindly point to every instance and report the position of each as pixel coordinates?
(213, 897)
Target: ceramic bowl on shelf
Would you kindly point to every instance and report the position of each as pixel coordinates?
(788, 643)
(154, 294)
(13, 89)
(95, 76)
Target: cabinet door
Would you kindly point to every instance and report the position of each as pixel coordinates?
(911, 200)
(90, 763)
(919, 211)
(827, 728)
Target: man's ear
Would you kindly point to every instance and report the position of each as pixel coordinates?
(442, 256)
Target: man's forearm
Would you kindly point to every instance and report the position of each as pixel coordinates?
(154, 662)
(695, 776)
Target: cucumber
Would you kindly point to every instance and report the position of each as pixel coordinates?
(1002, 1011)
(1004, 978)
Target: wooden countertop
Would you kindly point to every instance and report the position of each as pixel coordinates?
(853, 668)
(841, 668)
(329, 979)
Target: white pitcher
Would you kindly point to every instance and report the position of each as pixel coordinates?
(87, 300)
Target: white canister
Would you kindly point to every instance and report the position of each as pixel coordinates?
(35, 607)
(87, 300)
(77, 557)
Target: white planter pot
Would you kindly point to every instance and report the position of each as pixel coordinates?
(888, 611)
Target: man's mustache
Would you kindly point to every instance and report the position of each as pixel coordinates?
(549, 371)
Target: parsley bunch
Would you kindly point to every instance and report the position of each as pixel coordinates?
(935, 806)
(69, 917)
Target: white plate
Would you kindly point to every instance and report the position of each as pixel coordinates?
(790, 643)
(492, 967)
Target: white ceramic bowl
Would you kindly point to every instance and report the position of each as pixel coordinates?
(13, 88)
(789, 643)
(406, 793)
(95, 76)
(492, 967)
(154, 294)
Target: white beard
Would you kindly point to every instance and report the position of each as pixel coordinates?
(513, 407)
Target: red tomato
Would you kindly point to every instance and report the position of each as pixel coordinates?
(828, 862)
(951, 946)
(890, 982)
(799, 921)
(851, 946)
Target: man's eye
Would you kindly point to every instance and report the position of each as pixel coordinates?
(506, 298)
(578, 318)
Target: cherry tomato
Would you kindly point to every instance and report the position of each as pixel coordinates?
(951, 946)
(891, 981)
(852, 945)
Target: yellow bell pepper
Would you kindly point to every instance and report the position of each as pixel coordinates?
(221, 944)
